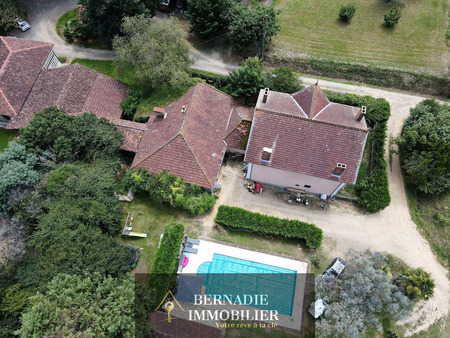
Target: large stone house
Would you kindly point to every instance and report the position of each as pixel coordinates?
(304, 143)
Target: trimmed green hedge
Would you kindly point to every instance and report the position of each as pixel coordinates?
(164, 187)
(385, 77)
(164, 267)
(243, 219)
(215, 80)
(373, 192)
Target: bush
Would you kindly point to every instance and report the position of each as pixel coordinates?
(392, 17)
(164, 267)
(75, 29)
(9, 11)
(164, 187)
(346, 12)
(243, 219)
(215, 80)
(282, 79)
(373, 192)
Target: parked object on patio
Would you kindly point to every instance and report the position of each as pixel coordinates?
(190, 250)
(185, 261)
(317, 308)
(258, 188)
(336, 267)
(193, 241)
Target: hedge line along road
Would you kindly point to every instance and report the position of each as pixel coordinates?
(391, 230)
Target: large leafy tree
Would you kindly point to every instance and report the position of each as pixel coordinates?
(91, 306)
(246, 82)
(9, 11)
(154, 53)
(359, 298)
(208, 17)
(246, 27)
(105, 16)
(424, 147)
(17, 168)
(70, 138)
(283, 80)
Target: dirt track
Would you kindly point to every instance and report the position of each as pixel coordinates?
(391, 230)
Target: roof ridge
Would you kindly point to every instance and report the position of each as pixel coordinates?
(196, 160)
(221, 92)
(6, 45)
(7, 101)
(316, 121)
(321, 110)
(188, 109)
(65, 86)
(30, 48)
(298, 104)
(229, 120)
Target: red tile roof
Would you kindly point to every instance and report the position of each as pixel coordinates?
(311, 146)
(188, 144)
(21, 61)
(311, 99)
(133, 132)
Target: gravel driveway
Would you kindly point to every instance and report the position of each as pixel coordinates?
(391, 230)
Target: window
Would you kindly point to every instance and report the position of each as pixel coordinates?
(340, 167)
(307, 186)
(266, 154)
(297, 185)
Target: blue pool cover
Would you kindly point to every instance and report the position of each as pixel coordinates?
(235, 276)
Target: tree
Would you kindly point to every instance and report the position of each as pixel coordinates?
(417, 284)
(359, 298)
(153, 52)
(9, 11)
(105, 16)
(346, 12)
(208, 17)
(283, 80)
(17, 168)
(75, 29)
(13, 239)
(62, 250)
(90, 306)
(70, 138)
(246, 27)
(246, 82)
(392, 17)
(14, 300)
(424, 147)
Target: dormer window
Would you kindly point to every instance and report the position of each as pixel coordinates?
(340, 167)
(160, 112)
(266, 154)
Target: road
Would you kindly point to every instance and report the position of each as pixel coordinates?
(391, 230)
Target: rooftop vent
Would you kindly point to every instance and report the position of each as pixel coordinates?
(265, 95)
(340, 167)
(361, 113)
(160, 112)
(266, 154)
(183, 109)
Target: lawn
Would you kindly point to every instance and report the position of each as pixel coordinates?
(432, 217)
(418, 42)
(5, 137)
(104, 67)
(151, 217)
(89, 43)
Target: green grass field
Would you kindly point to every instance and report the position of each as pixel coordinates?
(5, 137)
(151, 217)
(312, 27)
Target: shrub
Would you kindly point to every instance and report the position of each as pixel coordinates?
(284, 80)
(215, 80)
(243, 219)
(373, 192)
(167, 188)
(164, 265)
(392, 17)
(346, 12)
(10, 10)
(75, 29)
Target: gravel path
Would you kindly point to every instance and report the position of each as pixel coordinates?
(391, 230)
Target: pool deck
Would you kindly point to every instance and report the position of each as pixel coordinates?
(206, 251)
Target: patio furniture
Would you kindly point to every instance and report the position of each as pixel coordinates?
(190, 250)
(193, 241)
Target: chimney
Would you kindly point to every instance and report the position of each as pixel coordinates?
(338, 170)
(361, 113)
(160, 112)
(266, 94)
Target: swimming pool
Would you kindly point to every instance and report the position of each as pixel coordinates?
(250, 277)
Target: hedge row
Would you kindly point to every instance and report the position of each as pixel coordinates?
(215, 80)
(243, 219)
(385, 77)
(165, 263)
(164, 187)
(373, 192)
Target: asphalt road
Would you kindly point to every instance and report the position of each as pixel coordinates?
(391, 230)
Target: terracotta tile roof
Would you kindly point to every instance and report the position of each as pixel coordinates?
(311, 146)
(133, 132)
(311, 99)
(21, 61)
(280, 103)
(74, 89)
(189, 144)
